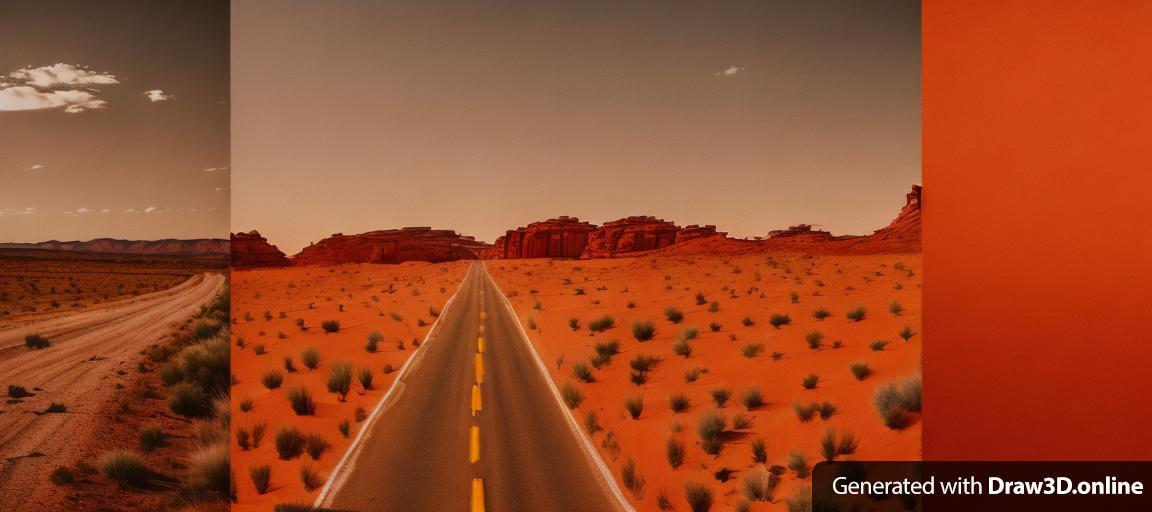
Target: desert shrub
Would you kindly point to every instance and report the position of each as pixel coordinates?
(289, 443)
(674, 452)
(124, 467)
(272, 379)
(711, 430)
(752, 399)
(62, 476)
(572, 396)
(804, 412)
(759, 451)
(699, 497)
(339, 380)
(638, 378)
(714, 327)
(18, 391)
(673, 315)
(751, 350)
(810, 381)
(243, 439)
(682, 348)
(742, 421)
(360, 415)
(688, 333)
(258, 433)
(288, 366)
(315, 444)
(152, 437)
(801, 500)
(310, 478)
(857, 314)
(56, 407)
(330, 326)
(821, 314)
(906, 333)
(364, 375)
(210, 471)
(826, 409)
(260, 349)
(678, 402)
(310, 356)
(860, 370)
(643, 362)
(896, 308)
(794, 297)
(388, 369)
(36, 341)
(602, 324)
(814, 339)
(760, 484)
(574, 324)
(261, 477)
(833, 446)
(701, 299)
(635, 406)
(187, 399)
(582, 372)
(607, 349)
(592, 423)
(247, 404)
(532, 324)
(747, 321)
(878, 346)
(692, 375)
(206, 329)
(632, 479)
(374, 339)
(779, 319)
(798, 463)
(643, 330)
(892, 406)
(301, 400)
(663, 502)
(911, 392)
(720, 396)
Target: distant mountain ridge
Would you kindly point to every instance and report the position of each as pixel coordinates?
(166, 247)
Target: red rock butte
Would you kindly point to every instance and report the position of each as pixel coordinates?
(392, 246)
(253, 250)
(166, 247)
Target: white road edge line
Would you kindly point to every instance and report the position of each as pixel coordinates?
(340, 471)
(605, 473)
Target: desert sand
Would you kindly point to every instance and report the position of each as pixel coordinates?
(399, 302)
(557, 299)
(94, 357)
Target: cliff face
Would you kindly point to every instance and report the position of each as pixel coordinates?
(252, 250)
(630, 235)
(167, 247)
(562, 237)
(392, 246)
(901, 235)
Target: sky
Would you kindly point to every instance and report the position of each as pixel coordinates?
(114, 120)
(354, 115)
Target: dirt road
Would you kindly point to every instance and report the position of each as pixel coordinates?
(77, 370)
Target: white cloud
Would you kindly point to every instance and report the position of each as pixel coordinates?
(150, 209)
(60, 85)
(729, 71)
(36, 167)
(23, 97)
(60, 74)
(82, 211)
(106, 210)
(130, 210)
(155, 95)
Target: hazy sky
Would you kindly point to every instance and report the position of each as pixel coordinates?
(483, 116)
(113, 119)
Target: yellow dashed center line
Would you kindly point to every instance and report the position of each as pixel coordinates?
(477, 495)
(474, 451)
(480, 344)
(476, 403)
(479, 368)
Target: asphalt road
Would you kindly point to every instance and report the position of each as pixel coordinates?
(428, 452)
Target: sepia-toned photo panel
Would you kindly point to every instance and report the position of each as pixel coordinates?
(571, 256)
(114, 254)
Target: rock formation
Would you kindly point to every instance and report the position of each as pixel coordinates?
(252, 250)
(630, 235)
(901, 235)
(166, 247)
(562, 237)
(392, 246)
(694, 232)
